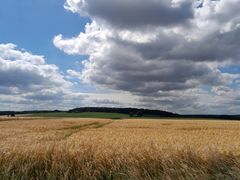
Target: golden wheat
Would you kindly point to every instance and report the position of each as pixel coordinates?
(119, 149)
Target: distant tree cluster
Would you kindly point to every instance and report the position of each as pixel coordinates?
(7, 113)
(136, 114)
(14, 113)
(133, 112)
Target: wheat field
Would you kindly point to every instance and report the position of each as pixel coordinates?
(71, 148)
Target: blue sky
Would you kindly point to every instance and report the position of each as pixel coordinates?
(32, 24)
(160, 54)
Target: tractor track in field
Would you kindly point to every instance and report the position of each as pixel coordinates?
(69, 131)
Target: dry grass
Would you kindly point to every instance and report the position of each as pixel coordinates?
(122, 149)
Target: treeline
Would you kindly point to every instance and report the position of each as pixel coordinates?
(3, 113)
(223, 117)
(131, 111)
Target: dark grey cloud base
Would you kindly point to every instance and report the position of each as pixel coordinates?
(139, 13)
(169, 53)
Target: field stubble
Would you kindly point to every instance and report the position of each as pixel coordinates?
(119, 149)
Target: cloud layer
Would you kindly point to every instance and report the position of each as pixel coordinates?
(135, 13)
(169, 53)
(23, 71)
(28, 82)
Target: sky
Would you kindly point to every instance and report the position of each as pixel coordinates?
(174, 55)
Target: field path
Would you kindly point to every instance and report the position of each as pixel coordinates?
(69, 131)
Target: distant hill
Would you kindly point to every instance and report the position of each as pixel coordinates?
(130, 111)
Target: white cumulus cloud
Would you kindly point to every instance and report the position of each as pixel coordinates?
(160, 47)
